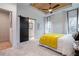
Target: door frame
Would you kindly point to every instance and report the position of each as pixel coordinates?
(34, 25)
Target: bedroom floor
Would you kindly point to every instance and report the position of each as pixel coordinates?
(5, 45)
(30, 48)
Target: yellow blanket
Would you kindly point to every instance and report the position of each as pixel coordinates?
(50, 40)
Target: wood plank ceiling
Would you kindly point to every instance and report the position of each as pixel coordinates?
(45, 6)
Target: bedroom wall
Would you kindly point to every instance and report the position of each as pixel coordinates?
(59, 23)
(28, 11)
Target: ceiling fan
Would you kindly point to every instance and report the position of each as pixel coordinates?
(50, 9)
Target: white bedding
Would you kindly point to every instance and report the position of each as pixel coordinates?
(65, 45)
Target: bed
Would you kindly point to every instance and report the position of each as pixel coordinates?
(58, 42)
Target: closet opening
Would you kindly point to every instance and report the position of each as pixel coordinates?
(5, 29)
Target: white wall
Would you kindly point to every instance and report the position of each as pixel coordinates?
(58, 22)
(12, 8)
(28, 11)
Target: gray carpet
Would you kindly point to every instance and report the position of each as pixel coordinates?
(30, 48)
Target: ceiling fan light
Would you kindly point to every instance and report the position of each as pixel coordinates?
(50, 10)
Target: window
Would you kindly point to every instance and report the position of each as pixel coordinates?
(47, 25)
(72, 25)
(72, 21)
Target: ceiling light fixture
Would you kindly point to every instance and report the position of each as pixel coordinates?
(50, 10)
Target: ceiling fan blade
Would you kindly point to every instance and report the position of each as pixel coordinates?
(44, 9)
(56, 6)
(49, 7)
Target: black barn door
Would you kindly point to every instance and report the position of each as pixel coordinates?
(24, 29)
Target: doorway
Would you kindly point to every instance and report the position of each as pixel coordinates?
(4, 29)
(31, 28)
(27, 28)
